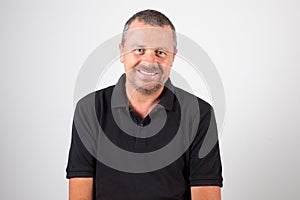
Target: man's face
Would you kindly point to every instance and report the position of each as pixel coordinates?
(147, 54)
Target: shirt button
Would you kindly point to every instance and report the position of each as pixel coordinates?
(142, 124)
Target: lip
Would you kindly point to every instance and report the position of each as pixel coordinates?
(143, 72)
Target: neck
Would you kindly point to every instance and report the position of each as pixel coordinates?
(142, 103)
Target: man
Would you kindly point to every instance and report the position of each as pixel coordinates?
(143, 95)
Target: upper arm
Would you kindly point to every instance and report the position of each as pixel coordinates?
(205, 161)
(81, 189)
(204, 154)
(81, 162)
(206, 193)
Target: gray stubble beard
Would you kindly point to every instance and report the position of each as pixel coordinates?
(146, 91)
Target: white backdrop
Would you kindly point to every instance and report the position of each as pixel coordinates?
(254, 44)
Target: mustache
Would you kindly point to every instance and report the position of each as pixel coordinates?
(149, 68)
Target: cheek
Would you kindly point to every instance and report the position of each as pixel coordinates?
(131, 61)
(167, 63)
(129, 64)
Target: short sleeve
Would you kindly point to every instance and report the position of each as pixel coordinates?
(81, 162)
(204, 154)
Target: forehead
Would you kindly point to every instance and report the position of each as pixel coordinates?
(145, 35)
(136, 24)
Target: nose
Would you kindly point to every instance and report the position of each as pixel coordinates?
(149, 56)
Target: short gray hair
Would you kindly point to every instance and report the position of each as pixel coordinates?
(151, 17)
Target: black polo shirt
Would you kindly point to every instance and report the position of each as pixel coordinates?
(96, 112)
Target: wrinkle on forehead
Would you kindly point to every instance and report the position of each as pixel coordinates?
(154, 38)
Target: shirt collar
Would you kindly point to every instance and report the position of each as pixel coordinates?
(119, 97)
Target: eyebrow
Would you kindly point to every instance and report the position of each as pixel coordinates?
(146, 46)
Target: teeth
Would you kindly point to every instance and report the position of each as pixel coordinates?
(147, 73)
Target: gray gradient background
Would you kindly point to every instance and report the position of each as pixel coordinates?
(255, 46)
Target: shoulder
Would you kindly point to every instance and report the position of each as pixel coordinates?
(92, 99)
(192, 102)
(96, 94)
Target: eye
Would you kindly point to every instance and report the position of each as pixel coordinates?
(161, 53)
(139, 51)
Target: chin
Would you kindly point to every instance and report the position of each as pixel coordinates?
(148, 89)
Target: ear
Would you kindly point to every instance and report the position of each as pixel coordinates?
(174, 54)
(121, 53)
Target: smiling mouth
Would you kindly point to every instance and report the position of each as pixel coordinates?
(147, 73)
